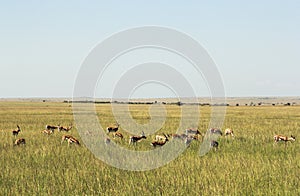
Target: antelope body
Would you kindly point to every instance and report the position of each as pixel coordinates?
(192, 132)
(19, 142)
(49, 127)
(112, 128)
(16, 132)
(160, 140)
(215, 131)
(70, 139)
(61, 128)
(135, 139)
(48, 132)
(228, 131)
(118, 134)
(278, 138)
(214, 144)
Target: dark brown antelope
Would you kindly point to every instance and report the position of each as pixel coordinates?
(19, 142)
(135, 139)
(214, 144)
(112, 129)
(16, 132)
(70, 139)
(51, 127)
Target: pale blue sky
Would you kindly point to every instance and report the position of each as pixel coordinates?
(255, 44)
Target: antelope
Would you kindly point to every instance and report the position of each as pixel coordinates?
(19, 142)
(214, 144)
(228, 131)
(162, 137)
(135, 139)
(118, 134)
(49, 127)
(179, 136)
(278, 138)
(160, 140)
(189, 139)
(215, 131)
(48, 132)
(70, 139)
(61, 128)
(16, 132)
(192, 132)
(113, 128)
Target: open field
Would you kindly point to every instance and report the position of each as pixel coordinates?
(250, 164)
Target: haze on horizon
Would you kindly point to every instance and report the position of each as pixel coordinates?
(255, 45)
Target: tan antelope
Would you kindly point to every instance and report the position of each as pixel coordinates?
(162, 137)
(48, 132)
(135, 139)
(16, 132)
(70, 139)
(278, 138)
(113, 129)
(228, 131)
(19, 142)
(160, 141)
(118, 134)
(61, 128)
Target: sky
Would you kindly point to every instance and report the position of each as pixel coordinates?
(255, 45)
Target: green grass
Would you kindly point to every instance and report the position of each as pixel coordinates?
(248, 165)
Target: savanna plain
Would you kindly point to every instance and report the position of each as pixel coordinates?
(249, 164)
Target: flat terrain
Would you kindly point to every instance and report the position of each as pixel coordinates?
(250, 164)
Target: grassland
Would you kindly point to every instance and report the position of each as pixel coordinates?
(248, 165)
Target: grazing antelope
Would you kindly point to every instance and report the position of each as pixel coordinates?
(49, 127)
(16, 132)
(70, 139)
(135, 139)
(162, 137)
(179, 136)
(228, 131)
(61, 128)
(113, 128)
(192, 132)
(118, 134)
(48, 132)
(160, 140)
(215, 131)
(278, 138)
(19, 142)
(214, 144)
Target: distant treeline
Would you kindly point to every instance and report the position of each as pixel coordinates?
(179, 103)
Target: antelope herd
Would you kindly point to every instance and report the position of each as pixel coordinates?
(48, 131)
(187, 137)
